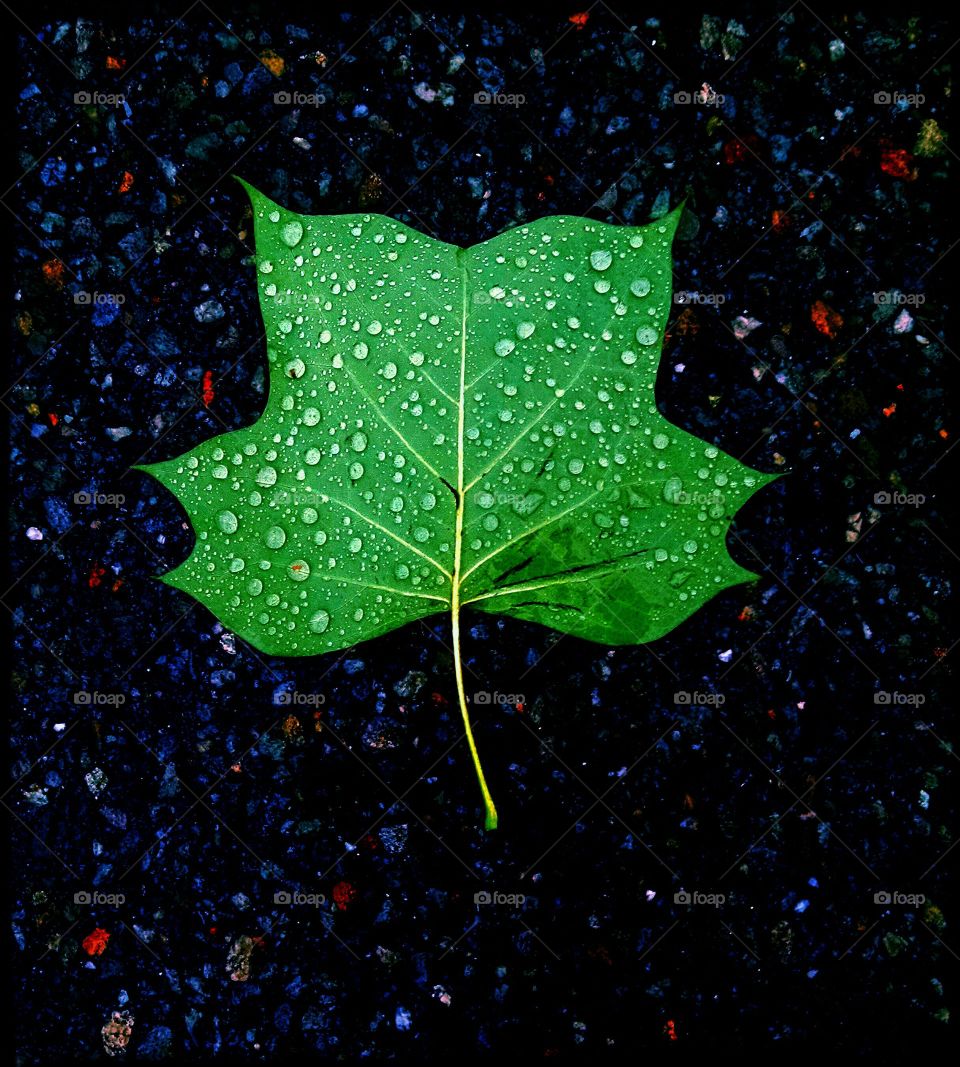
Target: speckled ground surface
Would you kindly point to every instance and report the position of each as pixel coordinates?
(157, 823)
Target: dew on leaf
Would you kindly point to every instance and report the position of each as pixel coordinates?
(275, 537)
(601, 259)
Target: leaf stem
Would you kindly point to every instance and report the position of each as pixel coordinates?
(490, 821)
(457, 577)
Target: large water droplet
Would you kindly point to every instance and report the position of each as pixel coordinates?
(227, 522)
(601, 259)
(275, 537)
(299, 570)
(647, 335)
(292, 233)
(319, 621)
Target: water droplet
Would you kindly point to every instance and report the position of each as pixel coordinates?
(640, 286)
(311, 416)
(356, 471)
(292, 233)
(421, 534)
(486, 500)
(319, 621)
(428, 501)
(355, 544)
(309, 516)
(299, 570)
(629, 358)
(374, 328)
(219, 471)
(672, 488)
(647, 335)
(602, 285)
(601, 259)
(396, 505)
(227, 522)
(236, 565)
(636, 240)
(275, 537)
(690, 547)
(575, 466)
(660, 440)
(266, 476)
(254, 587)
(358, 441)
(312, 457)
(360, 350)
(504, 346)
(490, 522)
(390, 371)
(660, 555)
(525, 329)
(603, 521)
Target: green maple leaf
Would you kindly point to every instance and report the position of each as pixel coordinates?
(451, 427)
